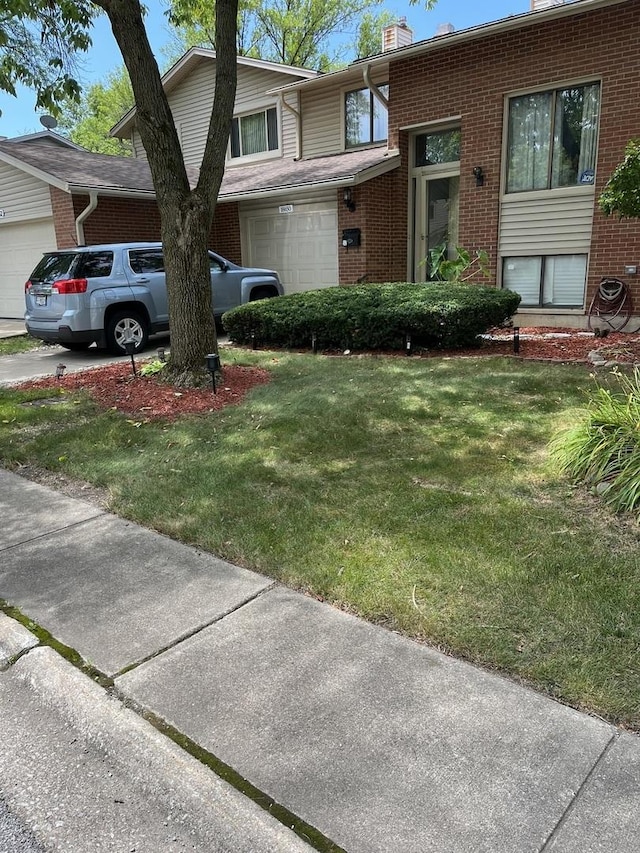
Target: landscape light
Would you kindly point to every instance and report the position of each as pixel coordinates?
(130, 348)
(213, 366)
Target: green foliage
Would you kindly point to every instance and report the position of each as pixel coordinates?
(459, 269)
(621, 195)
(374, 316)
(38, 44)
(603, 449)
(151, 368)
(89, 121)
(301, 33)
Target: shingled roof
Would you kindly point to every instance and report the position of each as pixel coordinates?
(74, 170)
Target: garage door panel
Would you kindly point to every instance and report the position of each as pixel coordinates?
(302, 245)
(21, 247)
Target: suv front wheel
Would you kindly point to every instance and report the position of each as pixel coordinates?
(123, 327)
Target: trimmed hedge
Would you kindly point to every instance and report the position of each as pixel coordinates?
(374, 316)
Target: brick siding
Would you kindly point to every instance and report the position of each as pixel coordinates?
(124, 220)
(472, 81)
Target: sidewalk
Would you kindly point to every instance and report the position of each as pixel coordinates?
(376, 742)
(11, 328)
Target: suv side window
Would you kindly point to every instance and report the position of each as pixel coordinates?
(146, 261)
(94, 264)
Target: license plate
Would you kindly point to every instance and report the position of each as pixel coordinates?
(41, 300)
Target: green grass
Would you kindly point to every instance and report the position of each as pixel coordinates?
(415, 492)
(18, 343)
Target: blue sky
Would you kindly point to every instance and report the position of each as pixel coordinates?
(19, 116)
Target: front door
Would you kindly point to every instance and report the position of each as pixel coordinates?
(436, 219)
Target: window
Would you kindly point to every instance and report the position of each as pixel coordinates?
(146, 261)
(255, 133)
(547, 281)
(94, 264)
(434, 148)
(365, 118)
(553, 138)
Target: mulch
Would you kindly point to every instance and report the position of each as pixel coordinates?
(149, 398)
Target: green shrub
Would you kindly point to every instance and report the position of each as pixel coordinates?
(603, 449)
(374, 316)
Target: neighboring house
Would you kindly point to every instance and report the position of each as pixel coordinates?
(499, 137)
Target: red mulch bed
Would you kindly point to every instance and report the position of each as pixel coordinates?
(148, 398)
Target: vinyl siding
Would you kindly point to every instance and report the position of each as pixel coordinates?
(22, 196)
(192, 100)
(322, 123)
(323, 120)
(539, 225)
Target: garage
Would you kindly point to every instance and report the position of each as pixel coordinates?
(298, 239)
(21, 247)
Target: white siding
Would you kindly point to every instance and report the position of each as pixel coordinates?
(22, 196)
(191, 104)
(322, 123)
(138, 147)
(323, 117)
(546, 225)
(192, 100)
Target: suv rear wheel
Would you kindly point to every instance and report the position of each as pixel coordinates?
(125, 326)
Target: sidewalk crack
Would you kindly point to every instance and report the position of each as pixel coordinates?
(578, 794)
(194, 631)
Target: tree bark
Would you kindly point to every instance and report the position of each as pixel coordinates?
(186, 213)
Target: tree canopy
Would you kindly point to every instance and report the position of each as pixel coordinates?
(621, 195)
(88, 121)
(38, 44)
(318, 34)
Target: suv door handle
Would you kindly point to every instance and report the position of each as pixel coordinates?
(142, 279)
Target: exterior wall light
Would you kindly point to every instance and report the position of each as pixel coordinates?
(213, 366)
(478, 174)
(347, 197)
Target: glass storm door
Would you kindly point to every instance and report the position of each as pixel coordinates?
(436, 219)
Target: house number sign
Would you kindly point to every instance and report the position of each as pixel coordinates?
(2, 213)
(285, 208)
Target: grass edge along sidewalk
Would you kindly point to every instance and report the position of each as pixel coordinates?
(417, 494)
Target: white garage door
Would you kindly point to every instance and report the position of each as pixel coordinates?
(300, 241)
(21, 247)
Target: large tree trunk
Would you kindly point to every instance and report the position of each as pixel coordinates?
(186, 213)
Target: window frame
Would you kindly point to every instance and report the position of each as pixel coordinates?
(373, 101)
(554, 89)
(258, 155)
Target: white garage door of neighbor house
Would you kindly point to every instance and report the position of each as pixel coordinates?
(302, 245)
(21, 247)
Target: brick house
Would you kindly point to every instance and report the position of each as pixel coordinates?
(499, 137)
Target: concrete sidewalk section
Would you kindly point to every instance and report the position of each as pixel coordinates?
(86, 774)
(383, 745)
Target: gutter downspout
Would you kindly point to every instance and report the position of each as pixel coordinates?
(93, 203)
(371, 86)
(298, 118)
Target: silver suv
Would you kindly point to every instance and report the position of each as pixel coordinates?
(115, 294)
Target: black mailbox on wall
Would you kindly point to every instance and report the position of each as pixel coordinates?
(350, 237)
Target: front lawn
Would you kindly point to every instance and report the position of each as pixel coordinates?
(415, 492)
